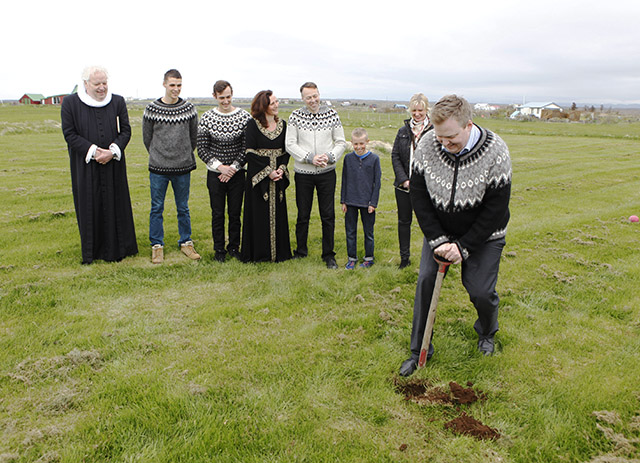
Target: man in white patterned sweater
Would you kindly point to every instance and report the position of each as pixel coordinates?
(169, 132)
(221, 147)
(315, 140)
(460, 190)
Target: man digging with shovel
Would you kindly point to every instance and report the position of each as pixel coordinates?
(460, 189)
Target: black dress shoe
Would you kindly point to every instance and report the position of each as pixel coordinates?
(404, 263)
(298, 255)
(220, 256)
(331, 263)
(234, 253)
(408, 367)
(486, 346)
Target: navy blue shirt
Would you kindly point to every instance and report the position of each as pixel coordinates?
(361, 177)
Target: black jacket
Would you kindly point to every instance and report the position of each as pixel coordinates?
(402, 150)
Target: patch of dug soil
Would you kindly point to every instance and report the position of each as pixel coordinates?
(465, 395)
(469, 426)
(412, 388)
(421, 391)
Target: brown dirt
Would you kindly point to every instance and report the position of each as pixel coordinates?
(422, 392)
(412, 388)
(465, 395)
(469, 426)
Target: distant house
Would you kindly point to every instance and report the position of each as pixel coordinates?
(38, 98)
(54, 99)
(534, 109)
(31, 98)
(484, 107)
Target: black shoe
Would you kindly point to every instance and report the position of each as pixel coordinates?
(298, 255)
(331, 263)
(234, 253)
(408, 367)
(404, 263)
(486, 346)
(220, 256)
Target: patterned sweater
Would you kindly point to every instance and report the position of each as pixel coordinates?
(221, 138)
(309, 134)
(462, 199)
(169, 132)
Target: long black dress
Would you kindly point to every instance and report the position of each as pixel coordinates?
(265, 228)
(100, 192)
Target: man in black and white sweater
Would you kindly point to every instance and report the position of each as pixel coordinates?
(315, 140)
(460, 190)
(221, 147)
(169, 132)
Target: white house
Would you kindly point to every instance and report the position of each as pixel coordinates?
(484, 107)
(534, 109)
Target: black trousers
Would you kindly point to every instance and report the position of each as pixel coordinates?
(479, 277)
(405, 216)
(223, 194)
(325, 185)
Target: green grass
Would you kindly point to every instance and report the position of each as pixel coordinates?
(192, 362)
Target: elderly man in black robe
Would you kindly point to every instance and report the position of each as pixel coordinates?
(95, 124)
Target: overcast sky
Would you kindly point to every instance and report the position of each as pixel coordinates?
(498, 51)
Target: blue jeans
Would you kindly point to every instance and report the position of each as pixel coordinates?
(351, 229)
(180, 185)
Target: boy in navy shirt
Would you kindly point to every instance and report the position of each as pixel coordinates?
(359, 194)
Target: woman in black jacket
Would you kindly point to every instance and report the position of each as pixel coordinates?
(406, 142)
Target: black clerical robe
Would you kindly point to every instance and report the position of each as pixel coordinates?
(100, 192)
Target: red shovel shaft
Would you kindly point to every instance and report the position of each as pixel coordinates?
(426, 339)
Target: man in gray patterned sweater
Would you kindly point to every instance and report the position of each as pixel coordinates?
(460, 189)
(169, 132)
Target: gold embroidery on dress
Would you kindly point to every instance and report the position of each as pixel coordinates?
(270, 135)
(271, 196)
(260, 176)
(272, 218)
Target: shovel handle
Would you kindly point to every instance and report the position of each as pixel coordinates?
(426, 338)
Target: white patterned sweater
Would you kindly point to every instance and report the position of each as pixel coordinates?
(309, 134)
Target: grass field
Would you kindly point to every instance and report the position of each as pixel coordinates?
(291, 362)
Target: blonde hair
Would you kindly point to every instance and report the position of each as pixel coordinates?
(359, 132)
(452, 106)
(418, 100)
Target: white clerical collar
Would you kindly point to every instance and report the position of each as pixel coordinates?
(90, 101)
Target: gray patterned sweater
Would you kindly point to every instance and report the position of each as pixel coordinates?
(462, 199)
(170, 133)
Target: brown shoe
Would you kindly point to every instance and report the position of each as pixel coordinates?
(157, 254)
(187, 250)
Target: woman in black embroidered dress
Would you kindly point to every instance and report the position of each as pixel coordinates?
(265, 228)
